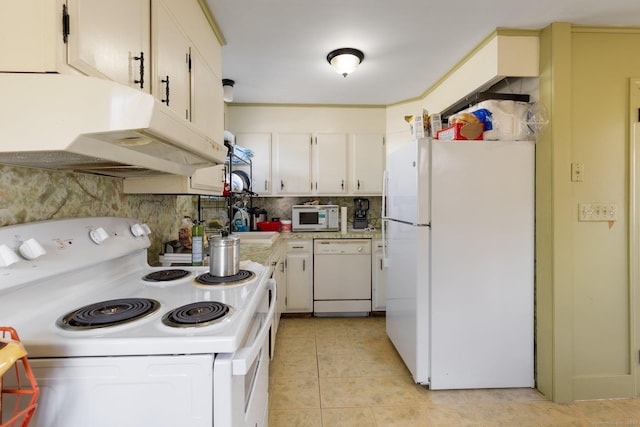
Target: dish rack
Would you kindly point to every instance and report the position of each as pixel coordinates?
(20, 397)
(238, 162)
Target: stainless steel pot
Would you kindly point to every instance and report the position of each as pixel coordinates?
(224, 255)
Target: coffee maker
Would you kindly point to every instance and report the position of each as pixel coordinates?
(360, 214)
(257, 215)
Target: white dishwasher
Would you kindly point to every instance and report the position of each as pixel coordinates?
(341, 277)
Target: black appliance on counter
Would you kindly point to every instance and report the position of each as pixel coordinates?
(360, 221)
(257, 215)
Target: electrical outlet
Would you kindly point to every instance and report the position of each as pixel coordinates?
(577, 171)
(600, 211)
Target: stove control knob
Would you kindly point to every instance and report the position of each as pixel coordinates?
(31, 249)
(137, 230)
(7, 256)
(146, 229)
(98, 235)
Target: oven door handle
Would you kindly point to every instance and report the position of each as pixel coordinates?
(244, 357)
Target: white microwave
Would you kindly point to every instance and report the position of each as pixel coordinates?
(314, 218)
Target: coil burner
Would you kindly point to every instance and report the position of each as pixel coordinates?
(166, 275)
(197, 314)
(241, 277)
(108, 313)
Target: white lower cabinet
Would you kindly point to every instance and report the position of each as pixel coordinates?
(299, 280)
(378, 282)
(278, 260)
(280, 276)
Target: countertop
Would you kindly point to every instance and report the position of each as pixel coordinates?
(262, 253)
(350, 234)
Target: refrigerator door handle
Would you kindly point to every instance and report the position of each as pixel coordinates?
(385, 190)
(383, 217)
(384, 261)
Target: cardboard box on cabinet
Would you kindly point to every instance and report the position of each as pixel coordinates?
(418, 127)
(462, 131)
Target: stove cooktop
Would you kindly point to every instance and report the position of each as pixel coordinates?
(74, 272)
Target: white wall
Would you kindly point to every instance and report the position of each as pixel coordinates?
(278, 118)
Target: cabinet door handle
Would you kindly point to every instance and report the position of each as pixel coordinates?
(265, 185)
(342, 184)
(358, 184)
(282, 267)
(141, 80)
(65, 24)
(304, 265)
(166, 90)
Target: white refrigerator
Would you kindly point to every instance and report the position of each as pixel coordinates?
(459, 261)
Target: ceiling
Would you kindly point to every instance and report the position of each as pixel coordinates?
(276, 49)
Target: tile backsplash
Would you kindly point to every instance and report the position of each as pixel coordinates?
(31, 194)
(280, 207)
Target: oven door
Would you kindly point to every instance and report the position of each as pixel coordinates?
(241, 379)
(159, 391)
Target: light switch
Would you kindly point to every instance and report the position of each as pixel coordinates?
(577, 171)
(601, 211)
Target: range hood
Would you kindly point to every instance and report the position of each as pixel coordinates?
(87, 124)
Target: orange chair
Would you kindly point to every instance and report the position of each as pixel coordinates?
(14, 363)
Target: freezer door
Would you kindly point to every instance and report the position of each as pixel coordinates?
(407, 279)
(407, 183)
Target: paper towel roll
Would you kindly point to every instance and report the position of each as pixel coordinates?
(343, 220)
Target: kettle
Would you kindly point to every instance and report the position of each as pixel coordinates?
(257, 215)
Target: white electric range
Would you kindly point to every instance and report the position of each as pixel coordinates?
(113, 341)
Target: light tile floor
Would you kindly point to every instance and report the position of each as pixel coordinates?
(334, 372)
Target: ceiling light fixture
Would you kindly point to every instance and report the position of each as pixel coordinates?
(227, 88)
(345, 61)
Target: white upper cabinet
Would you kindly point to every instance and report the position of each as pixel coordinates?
(367, 164)
(184, 77)
(260, 144)
(327, 164)
(172, 79)
(292, 160)
(110, 39)
(207, 105)
(330, 163)
(106, 39)
(137, 43)
(30, 34)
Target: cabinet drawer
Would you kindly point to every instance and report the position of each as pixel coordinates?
(300, 246)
